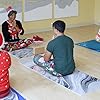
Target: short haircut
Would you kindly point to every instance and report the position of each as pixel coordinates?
(59, 25)
(11, 12)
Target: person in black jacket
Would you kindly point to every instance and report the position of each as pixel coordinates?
(12, 27)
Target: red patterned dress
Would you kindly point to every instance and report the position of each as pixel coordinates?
(5, 62)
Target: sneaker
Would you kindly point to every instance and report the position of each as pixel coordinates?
(37, 39)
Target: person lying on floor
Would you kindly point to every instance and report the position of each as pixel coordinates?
(61, 48)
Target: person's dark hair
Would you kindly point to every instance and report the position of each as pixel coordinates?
(59, 25)
(11, 12)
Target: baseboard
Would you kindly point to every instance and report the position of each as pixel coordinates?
(78, 25)
(97, 23)
(49, 28)
(38, 30)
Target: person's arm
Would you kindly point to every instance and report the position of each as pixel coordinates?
(47, 56)
(5, 32)
(19, 27)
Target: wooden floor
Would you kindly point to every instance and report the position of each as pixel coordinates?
(36, 87)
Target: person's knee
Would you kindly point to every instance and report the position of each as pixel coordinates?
(36, 58)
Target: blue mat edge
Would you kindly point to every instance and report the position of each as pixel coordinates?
(20, 97)
(80, 44)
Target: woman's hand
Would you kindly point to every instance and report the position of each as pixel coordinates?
(16, 26)
(14, 23)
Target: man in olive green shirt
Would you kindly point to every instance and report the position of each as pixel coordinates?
(61, 48)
